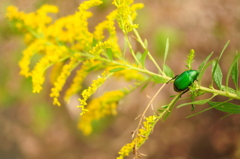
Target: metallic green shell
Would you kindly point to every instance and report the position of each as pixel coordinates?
(184, 80)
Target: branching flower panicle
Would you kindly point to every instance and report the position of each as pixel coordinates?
(81, 74)
(90, 90)
(61, 79)
(139, 137)
(125, 14)
(53, 54)
(99, 108)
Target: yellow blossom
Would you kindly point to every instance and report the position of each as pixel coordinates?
(140, 136)
(125, 13)
(53, 54)
(55, 71)
(90, 90)
(135, 7)
(32, 20)
(99, 108)
(61, 79)
(99, 48)
(130, 75)
(33, 48)
(76, 85)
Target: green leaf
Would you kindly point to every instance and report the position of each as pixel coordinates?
(204, 63)
(224, 48)
(199, 102)
(143, 58)
(217, 74)
(145, 85)
(203, 71)
(216, 65)
(109, 53)
(234, 71)
(165, 53)
(158, 79)
(117, 69)
(94, 42)
(96, 67)
(229, 89)
(226, 107)
(168, 71)
(205, 110)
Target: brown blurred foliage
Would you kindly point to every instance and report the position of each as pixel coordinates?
(31, 128)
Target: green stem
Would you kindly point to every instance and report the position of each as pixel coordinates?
(139, 39)
(131, 49)
(218, 92)
(142, 70)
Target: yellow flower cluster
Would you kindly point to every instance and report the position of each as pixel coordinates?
(53, 54)
(130, 75)
(90, 90)
(34, 20)
(33, 48)
(56, 70)
(107, 24)
(109, 44)
(61, 79)
(140, 137)
(126, 13)
(81, 74)
(99, 108)
(67, 42)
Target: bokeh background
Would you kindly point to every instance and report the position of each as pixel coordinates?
(32, 128)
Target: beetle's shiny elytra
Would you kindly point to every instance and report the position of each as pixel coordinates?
(184, 80)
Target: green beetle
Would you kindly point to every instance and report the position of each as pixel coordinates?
(184, 80)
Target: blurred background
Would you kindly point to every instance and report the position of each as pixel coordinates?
(32, 128)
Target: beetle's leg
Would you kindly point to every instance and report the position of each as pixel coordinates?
(172, 79)
(184, 92)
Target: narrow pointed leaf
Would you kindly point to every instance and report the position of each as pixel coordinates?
(217, 75)
(229, 89)
(145, 85)
(143, 58)
(109, 53)
(168, 71)
(165, 53)
(204, 62)
(226, 107)
(158, 79)
(117, 69)
(234, 71)
(199, 102)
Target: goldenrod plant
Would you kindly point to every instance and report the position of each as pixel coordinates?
(66, 46)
